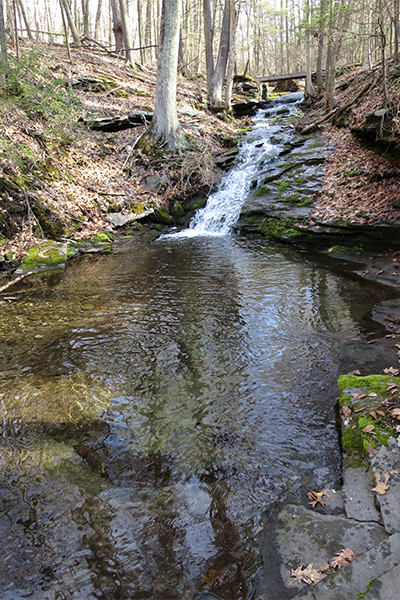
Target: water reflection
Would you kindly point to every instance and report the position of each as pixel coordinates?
(153, 403)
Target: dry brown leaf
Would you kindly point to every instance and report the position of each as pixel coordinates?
(373, 414)
(369, 429)
(371, 451)
(346, 411)
(316, 497)
(342, 558)
(361, 396)
(381, 486)
(380, 412)
(395, 412)
(356, 372)
(391, 371)
(308, 575)
(372, 395)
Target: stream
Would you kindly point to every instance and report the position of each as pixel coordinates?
(157, 400)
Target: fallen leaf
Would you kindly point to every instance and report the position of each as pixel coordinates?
(380, 412)
(308, 575)
(371, 342)
(391, 371)
(356, 372)
(371, 451)
(361, 396)
(369, 429)
(359, 409)
(346, 411)
(381, 486)
(372, 395)
(373, 414)
(316, 497)
(342, 558)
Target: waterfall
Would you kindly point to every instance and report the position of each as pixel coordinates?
(223, 206)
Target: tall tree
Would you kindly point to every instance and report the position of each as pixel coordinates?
(216, 75)
(3, 44)
(71, 22)
(165, 126)
(117, 25)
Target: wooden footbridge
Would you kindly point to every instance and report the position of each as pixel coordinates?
(271, 78)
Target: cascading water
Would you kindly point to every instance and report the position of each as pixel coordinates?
(223, 206)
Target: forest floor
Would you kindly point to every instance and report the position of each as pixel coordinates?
(72, 177)
(362, 177)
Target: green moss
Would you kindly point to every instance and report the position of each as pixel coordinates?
(300, 180)
(367, 589)
(352, 441)
(372, 382)
(101, 237)
(345, 399)
(251, 221)
(278, 228)
(262, 190)
(48, 255)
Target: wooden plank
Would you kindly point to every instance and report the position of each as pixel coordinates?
(301, 75)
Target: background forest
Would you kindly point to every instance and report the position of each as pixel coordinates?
(271, 37)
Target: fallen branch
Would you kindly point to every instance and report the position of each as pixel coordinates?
(10, 283)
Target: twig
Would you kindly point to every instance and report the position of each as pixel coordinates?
(30, 212)
(10, 283)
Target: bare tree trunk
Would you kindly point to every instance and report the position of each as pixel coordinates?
(208, 40)
(165, 126)
(147, 31)
(126, 33)
(16, 28)
(231, 62)
(396, 30)
(66, 32)
(309, 85)
(3, 44)
(97, 20)
(27, 26)
(140, 31)
(71, 23)
(117, 25)
(321, 41)
(85, 15)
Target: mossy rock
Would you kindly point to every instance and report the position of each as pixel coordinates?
(51, 254)
(362, 395)
(176, 210)
(163, 216)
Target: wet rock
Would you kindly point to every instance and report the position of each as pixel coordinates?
(176, 210)
(357, 577)
(245, 109)
(247, 86)
(161, 214)
(385, 587)
(358, 498)
(387, 460)
(295, 536)
(225, 160)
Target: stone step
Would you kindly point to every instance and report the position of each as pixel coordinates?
(386, 587)
(381, 563)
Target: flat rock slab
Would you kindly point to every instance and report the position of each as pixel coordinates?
(120, 219)
(353, 580)
(295, 536)
(386, 587)
(387, 460)
(359, 500)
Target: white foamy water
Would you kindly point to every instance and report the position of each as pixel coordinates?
(223, 206)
